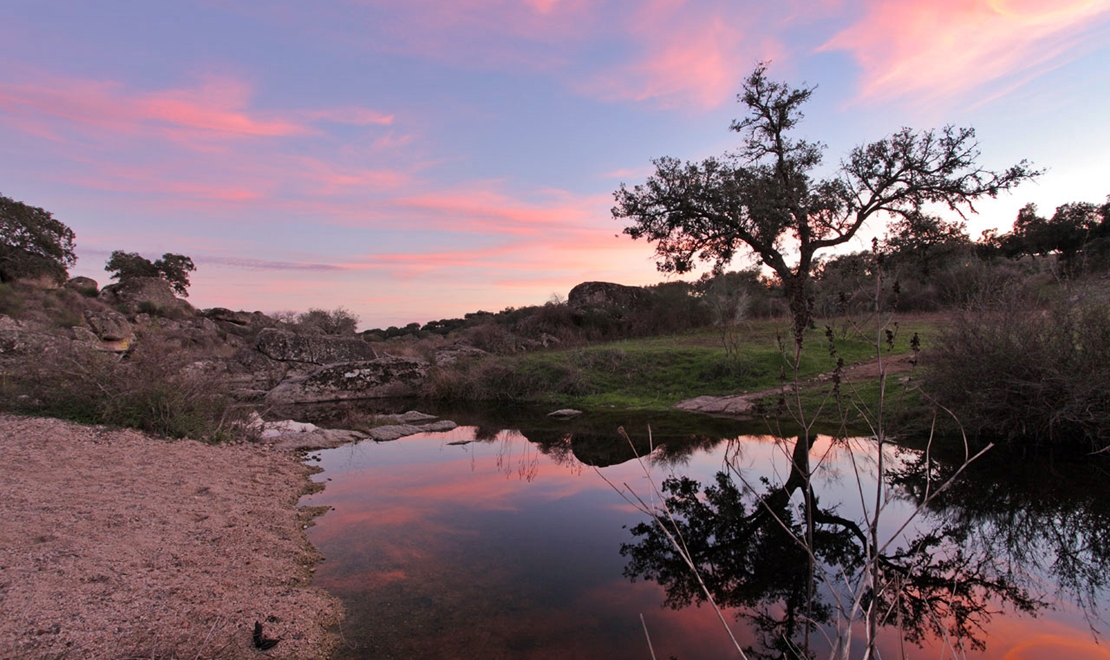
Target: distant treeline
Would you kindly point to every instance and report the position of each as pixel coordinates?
(922, 263)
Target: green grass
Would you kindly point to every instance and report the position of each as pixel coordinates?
(656, 373)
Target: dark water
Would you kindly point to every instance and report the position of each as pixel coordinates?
(485, 543)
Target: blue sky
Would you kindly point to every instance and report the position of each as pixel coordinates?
(418, 160)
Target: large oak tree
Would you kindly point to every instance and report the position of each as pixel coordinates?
(33, 243)
(766, 199)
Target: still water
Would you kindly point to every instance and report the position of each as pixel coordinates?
(482, 543)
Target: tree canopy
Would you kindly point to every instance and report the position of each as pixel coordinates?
(33, 243)
(127, 267)
(1075, 229)
(765, 198)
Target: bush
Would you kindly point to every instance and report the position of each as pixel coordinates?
(148, 307)
(498, 379)
(131, 267)
(11, 303)
(338, 321)
(154, 389)
(1039, 374)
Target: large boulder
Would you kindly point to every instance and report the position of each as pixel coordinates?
(607, 294)
(151, 290)
(12, 335)
(108, 325)
(86, 286)
(288, 346)
(228, 316)
(381, 378)
(449, 355)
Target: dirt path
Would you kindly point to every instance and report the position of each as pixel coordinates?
(740, 405)
(117, 545)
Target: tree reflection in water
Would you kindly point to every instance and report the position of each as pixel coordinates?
(986, 544)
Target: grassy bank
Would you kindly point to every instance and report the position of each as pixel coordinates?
(656, 373)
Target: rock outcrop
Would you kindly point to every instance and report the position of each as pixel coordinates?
(608, 294)
(289, 434)
(288, 346)
(368, 379)
(455, 352)
(395, 431)
(228, 316)
(83, 285)
(108, 325)
(151, 290)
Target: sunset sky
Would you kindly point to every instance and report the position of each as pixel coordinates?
(418, 159)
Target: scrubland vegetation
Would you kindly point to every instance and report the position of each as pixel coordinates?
(1013, 330)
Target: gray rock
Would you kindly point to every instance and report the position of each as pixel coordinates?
(152, 290)
(392, 432)
(735, 406)
(565, 413)
(452, 354)
(288, 346)
(410, 417)
(607, 294)
(228, 316)
(369, 379)
(318, 439)
(84, 335)
(12, 335)
(415, 416)
(108, 325)
(83, 285)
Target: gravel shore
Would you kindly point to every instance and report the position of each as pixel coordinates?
(114, 544)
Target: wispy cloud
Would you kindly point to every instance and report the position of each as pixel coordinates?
(688, 53)
(264, 264)
(217, 108)
(358, 116)
(683, 54)
(946, 48)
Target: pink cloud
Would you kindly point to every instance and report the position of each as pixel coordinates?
(669, 52)
(334, 177)
(216, 109)
(944, 48)
(686, 55)
(359, 116)
(488, 211)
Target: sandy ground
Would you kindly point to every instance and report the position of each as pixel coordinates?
(117, 545)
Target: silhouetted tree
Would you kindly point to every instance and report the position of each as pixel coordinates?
(33, 243)
(127, 267)
(919, 243)
(764, 197)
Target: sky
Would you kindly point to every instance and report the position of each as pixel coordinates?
(412, 160)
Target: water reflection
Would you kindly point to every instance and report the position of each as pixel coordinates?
(495, 542)
(994, 542)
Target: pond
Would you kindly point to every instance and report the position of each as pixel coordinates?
(493, 542)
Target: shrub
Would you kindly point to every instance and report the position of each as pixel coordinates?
(11, 303)
(338, 321)
(154, 388)
(148, 307)
(1039, 374)
(131, 267)
(497, 379)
